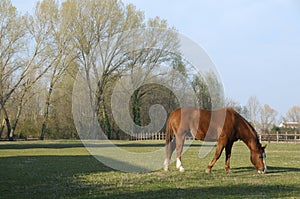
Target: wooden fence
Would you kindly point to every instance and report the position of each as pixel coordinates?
(148, 136)
(153, 136)
(280, 137)
(277, 137)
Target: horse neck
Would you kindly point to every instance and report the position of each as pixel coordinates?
(249, 136)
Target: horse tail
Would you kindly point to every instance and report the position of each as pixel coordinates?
(169, 132)
(170, 142)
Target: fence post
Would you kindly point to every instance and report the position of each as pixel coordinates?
(277, 136)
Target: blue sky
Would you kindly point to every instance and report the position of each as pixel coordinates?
(255, 44)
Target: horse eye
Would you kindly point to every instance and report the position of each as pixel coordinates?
(263, 156)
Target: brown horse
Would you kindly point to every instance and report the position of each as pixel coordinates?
(223, 125)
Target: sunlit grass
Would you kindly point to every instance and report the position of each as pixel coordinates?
(64, 169)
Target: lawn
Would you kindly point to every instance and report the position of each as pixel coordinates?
(65, 169)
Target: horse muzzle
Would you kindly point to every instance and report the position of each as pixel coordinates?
(262, 171)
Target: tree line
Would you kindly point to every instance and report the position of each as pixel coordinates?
(263, 117)
(41, 55)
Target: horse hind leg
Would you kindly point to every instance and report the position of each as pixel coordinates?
(170, 147)
(179, 146)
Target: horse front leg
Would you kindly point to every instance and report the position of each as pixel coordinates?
(218, 153)
(179, 146)
(228, 148)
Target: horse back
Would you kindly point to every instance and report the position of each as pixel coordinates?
(204, 124)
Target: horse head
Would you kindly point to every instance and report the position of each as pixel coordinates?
(258, 159)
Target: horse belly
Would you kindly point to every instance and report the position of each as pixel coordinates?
(199, 136)
(211, 134)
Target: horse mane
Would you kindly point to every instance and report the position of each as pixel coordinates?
(252, 129)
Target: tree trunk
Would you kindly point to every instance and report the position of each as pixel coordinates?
(20, 107)
(101, 110)
(104, 119)
(136, 110)
(10, 136)
(44, 125)
(107, 126)
(46, 113)
(14, 126)
(2, 128)
(9, 132)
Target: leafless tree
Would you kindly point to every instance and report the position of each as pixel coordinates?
(293, 115)
(109, 39)
(59, 54)
(253, 107)
(268, 117)
(21, 65)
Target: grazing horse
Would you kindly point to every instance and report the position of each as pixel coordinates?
(223, 125)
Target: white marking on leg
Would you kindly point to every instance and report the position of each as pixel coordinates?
(179, 165)
(181, 169)
(167, 161)
(166, 164)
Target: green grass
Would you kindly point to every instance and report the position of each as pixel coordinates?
(64, 169)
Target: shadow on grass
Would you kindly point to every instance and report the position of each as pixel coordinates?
(79, 144)
(282, 169)
(53, 177)
(271, 169)
(63, 145)
(233, 191)
(39, 144)
(44, 176)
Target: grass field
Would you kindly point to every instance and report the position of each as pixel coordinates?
(64, 169)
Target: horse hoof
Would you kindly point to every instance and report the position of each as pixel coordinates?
(181, 169)
(166, 169)
(207, 171)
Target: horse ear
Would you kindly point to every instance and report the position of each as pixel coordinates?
(264, 147)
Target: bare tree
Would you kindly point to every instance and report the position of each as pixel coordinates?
(26, 107)
(60, 120)
(48, 27)
(268, 118)
(19, 58)
(109, 41)
(253, 107)
(233, 104)
(106, 38)
(12, 40)
(293, 115)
